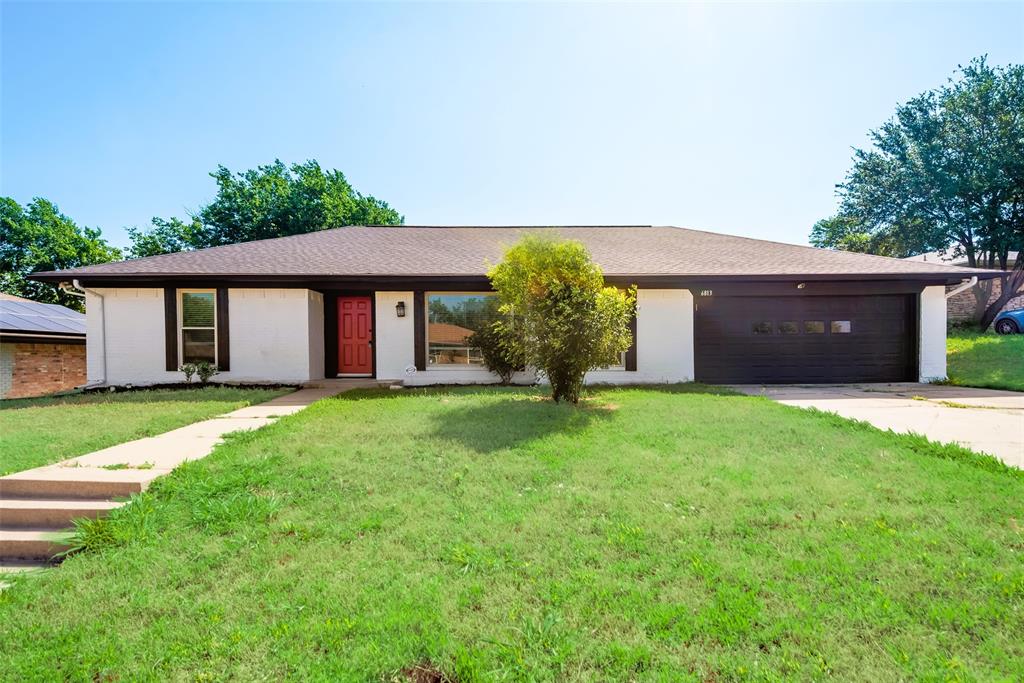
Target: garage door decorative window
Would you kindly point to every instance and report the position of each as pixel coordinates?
(789, 327)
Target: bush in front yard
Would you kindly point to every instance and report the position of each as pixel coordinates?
(501, 348)
(569, 321)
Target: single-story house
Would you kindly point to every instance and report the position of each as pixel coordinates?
(962, 306)
(386, 302)
(42, 348)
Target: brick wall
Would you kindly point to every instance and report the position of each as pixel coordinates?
(41, 369)
(960, 308)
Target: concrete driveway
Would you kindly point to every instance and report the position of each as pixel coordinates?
(984, 420)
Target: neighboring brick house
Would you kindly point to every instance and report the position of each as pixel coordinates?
(42, 348)
(961, 307)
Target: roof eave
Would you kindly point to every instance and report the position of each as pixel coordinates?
(943, 276)
(11, 332)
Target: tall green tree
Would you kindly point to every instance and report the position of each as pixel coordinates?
(567, 320)
(269, 201)
(847, 233)
(39, 237)
(946, 173)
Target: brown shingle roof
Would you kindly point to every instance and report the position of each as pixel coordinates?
(466, 251)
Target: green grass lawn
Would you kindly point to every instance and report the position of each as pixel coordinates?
(985, 360)
(39, 431)
(673, 534)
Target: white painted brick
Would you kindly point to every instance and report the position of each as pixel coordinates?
(276, 336)
(932, 326)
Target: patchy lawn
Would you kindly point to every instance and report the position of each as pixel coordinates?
(674, 534)
(39, 431)
(985, 360)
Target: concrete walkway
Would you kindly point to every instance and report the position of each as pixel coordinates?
(984, 420)
(146, 459)
(35, 505)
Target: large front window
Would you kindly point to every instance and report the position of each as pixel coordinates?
(198, 326)
(451, 320)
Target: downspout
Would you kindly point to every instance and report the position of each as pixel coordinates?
(963, 287)
(103, 325)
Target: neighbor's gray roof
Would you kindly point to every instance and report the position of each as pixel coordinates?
(31, 317)
(466, 251)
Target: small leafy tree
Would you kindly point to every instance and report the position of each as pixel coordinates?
(205, 369)
(190, 370)
(501, 348)
(569, 321)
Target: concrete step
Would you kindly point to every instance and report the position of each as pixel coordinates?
(75, 483)
(50, 514)
(31, 544)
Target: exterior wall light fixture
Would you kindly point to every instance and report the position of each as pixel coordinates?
(400, 309)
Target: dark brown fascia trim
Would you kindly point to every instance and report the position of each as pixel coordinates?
(330, 334)
(691, 281)
(810, 288)
(223, 331)
(354, 283)
(40, 338)
(170, 329)
(419, 329)
(398, 282)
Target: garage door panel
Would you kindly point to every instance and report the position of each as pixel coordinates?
(750, 339)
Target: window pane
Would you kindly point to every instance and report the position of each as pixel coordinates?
(814, 327)
(197, 345)
(451, 319)
(197, 309)
(762, 327)
(788, 327)
(841, 327)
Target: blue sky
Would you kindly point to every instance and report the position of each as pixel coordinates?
(733, 118)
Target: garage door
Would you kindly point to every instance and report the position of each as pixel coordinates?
(805, 339)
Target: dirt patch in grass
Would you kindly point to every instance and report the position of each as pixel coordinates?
(425, 673)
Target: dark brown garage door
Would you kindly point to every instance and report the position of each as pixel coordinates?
(805, 339)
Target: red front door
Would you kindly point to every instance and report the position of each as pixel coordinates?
(355, 335)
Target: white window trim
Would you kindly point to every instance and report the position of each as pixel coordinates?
(182, 328)
(448, 367)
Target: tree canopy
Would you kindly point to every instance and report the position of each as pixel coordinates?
(269, 201)
(39, 237)
(946, 173)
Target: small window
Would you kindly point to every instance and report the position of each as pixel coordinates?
(841, 327)
(814, 327)
(198, 327)
(788, 327)
(762, 327)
